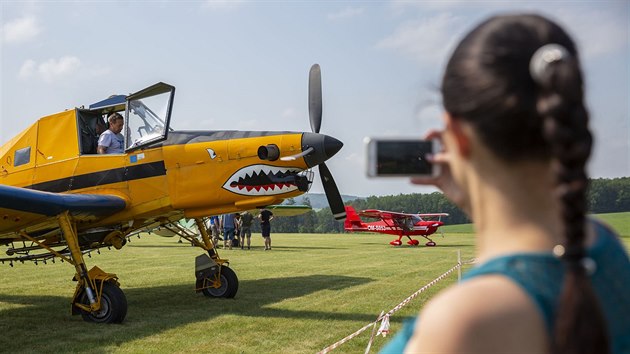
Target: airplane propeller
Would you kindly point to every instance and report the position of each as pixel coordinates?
(315, 98)
(315, 115)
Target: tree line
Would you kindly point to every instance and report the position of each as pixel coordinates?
(604, 196)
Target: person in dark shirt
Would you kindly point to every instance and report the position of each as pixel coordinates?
(265, 217)
(245, 224)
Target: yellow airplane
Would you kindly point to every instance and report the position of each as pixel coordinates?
(60, 199)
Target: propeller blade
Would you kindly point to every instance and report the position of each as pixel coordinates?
(315, 98)
(332, 193)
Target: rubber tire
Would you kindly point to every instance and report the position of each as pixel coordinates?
(113, 305)
(430, 244)
(229, 285)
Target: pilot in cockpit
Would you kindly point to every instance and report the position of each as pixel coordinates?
(112, 141)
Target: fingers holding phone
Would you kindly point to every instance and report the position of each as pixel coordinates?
(444, 181)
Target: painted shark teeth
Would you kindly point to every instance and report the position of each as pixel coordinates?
(262, 180)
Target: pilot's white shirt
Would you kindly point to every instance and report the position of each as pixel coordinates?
(115, 143)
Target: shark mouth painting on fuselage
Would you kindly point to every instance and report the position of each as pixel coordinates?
(262, 180)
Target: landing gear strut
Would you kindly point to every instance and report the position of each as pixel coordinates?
(98, 297)
(213, 276)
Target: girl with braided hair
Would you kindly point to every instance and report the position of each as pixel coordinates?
(516, 141)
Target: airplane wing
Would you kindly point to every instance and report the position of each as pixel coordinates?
(431, 216)
(371, 213)
(379, 214)
(22, 207)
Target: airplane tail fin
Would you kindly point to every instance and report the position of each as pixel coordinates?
(352, 218)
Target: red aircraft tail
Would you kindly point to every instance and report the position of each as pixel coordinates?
(352, 219)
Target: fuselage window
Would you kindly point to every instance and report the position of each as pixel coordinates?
(22, 156)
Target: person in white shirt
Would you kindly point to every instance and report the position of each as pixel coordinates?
(112, 141)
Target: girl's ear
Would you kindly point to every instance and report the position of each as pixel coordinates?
(460, 132)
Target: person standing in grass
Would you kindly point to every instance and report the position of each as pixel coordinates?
(265, 217)
(245, 226)
(215, 227)
(516, 142)
(228, 224)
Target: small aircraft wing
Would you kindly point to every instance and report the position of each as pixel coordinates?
(371, 213)
(22, 207)
(379, 214)
(432, 216)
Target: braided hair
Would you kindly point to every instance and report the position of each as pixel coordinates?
(517, 80)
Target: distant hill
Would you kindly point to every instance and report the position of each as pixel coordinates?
(319, 201)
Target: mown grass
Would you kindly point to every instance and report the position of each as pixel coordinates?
(308, 292)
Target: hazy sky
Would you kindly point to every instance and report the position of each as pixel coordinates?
(244, 65)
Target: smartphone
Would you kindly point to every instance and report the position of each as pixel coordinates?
(401, 157)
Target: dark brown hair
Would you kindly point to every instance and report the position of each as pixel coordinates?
(488, 83)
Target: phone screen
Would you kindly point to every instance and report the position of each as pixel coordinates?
(403, 157)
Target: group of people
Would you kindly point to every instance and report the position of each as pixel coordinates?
(238, 226)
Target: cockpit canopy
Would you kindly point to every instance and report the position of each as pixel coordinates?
(147, 114)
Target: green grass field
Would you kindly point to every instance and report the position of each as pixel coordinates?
(308, 292)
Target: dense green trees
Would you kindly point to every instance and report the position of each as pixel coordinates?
(605, 196)
(609, 195)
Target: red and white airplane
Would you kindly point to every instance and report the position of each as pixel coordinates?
(399, 224)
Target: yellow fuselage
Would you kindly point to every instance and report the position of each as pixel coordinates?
(169, 180)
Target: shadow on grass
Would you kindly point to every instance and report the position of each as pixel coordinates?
(157, 309)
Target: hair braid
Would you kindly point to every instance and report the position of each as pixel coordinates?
(565, 118)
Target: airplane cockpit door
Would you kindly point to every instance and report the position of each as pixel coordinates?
(148, 116)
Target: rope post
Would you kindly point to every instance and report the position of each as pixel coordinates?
(459, 269)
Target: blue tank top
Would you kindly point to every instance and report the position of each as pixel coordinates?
(541, 276)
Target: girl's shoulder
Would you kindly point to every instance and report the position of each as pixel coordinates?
(467, 318)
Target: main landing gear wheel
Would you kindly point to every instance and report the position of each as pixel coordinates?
(396, 243)
(413, 242)
(113, 306)
(430, 244)
(229, 285)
